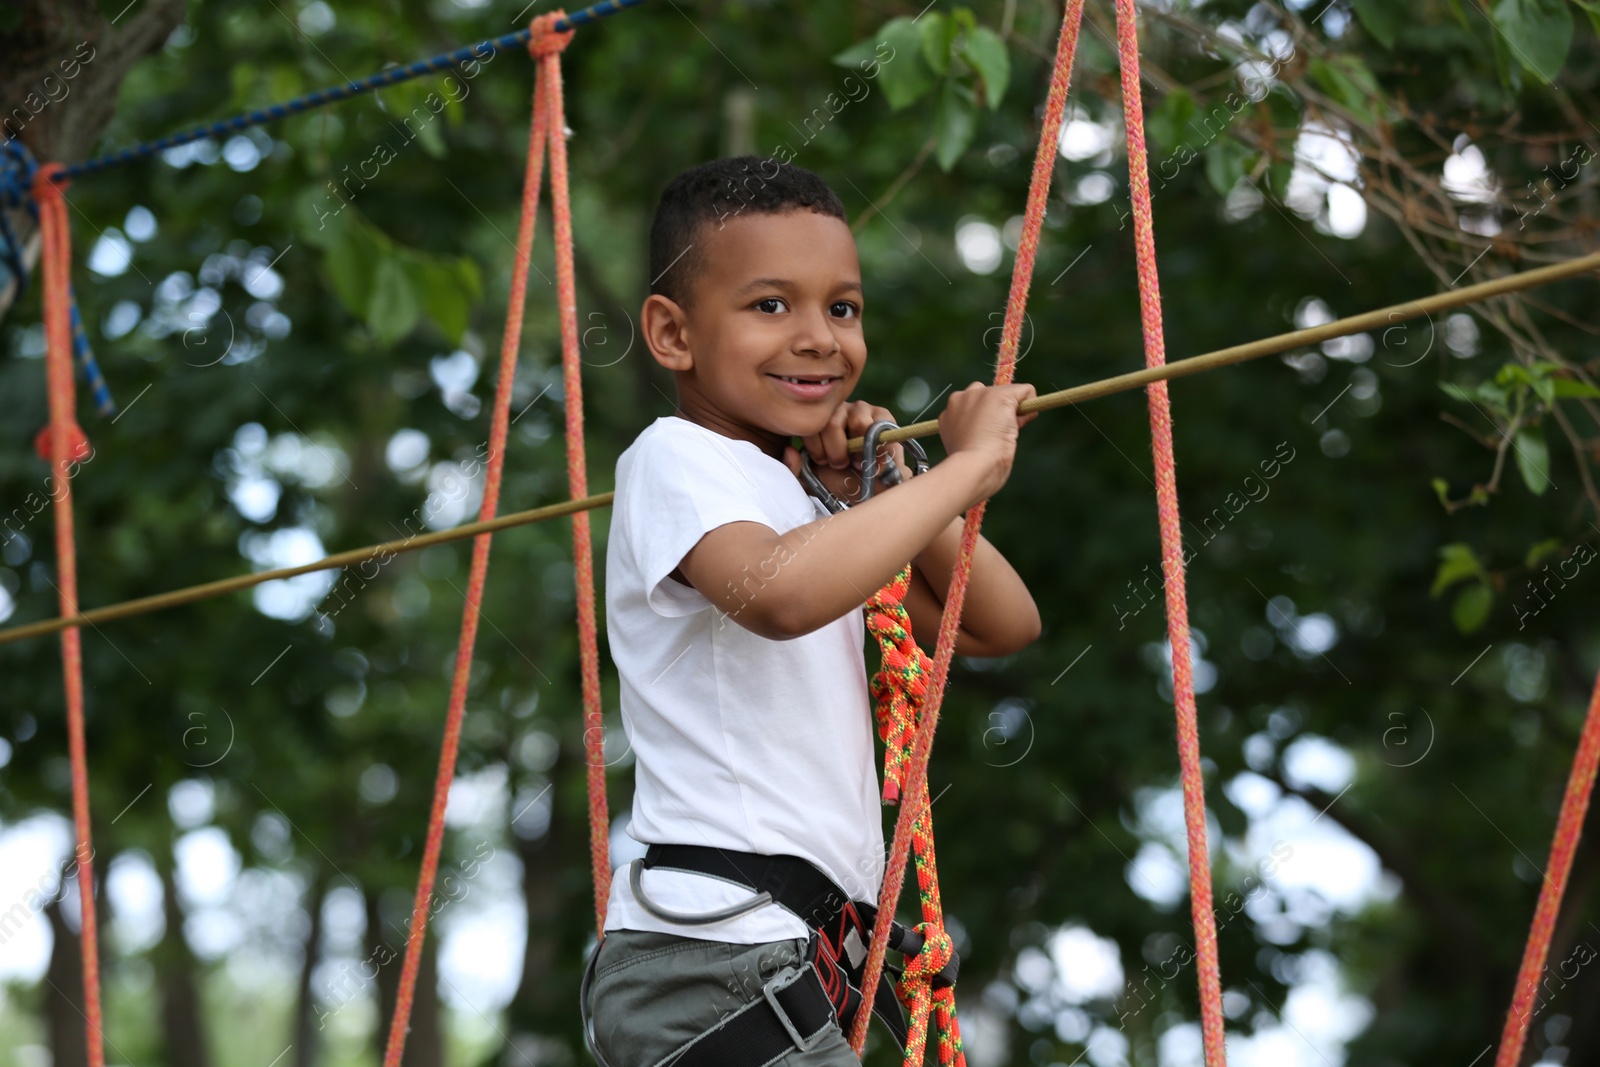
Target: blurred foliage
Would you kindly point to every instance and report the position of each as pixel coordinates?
(298, 306)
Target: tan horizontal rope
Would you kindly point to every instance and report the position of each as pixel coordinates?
(1121, 383)
(341, 559)
(1283, 342)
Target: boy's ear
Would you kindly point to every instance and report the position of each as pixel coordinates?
(666, 331)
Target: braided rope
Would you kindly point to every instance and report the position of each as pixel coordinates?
(899, 687)
(18, 173)
(393, 76)
(916, 775)
(578, 481)
(1564, 846)
(545, 46)
(1194, 797)
(65, 445)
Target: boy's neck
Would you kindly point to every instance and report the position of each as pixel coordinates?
(770, 443)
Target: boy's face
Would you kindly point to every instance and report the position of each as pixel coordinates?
(779, 299)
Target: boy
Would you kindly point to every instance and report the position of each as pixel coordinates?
(733, 609)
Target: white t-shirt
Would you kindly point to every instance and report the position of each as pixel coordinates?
(740, 742)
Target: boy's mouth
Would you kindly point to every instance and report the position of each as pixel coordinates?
(807, 387)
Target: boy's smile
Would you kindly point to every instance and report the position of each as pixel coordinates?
(771, 341)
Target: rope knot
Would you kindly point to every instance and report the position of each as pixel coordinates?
(46, 186)
(77, 444)
(545, 41)
(935, 954)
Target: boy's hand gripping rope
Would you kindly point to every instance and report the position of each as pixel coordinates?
(548, 130)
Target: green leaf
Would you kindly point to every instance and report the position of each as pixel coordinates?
(1533, 459)
(350, 263)
(1168, 122)
(393, 309)
(1539, 33)
(1542, 549)
(1225, 161)
(1457, 562)
(1459, 392)
(449, 288)
(938, 34)
(954, 124)
(1441, 489)
(904, 74)
(1471, 608)
(1572, 388)
(984, 49)
(1491, 394)
(1513, 373)
(1279, 171)
(1348, 80)
(861, 52)
(1592, 9)
(1380, 19)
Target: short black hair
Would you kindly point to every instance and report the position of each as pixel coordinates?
(715, 192)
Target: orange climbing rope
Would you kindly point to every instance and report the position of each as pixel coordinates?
(899, 688)
(63, 443)
(910, 830)
(1155, 354)
(1569, 827)
(548, 130)
(914, 788)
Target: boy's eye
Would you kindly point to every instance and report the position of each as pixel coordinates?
(845, 310)
(771, 305)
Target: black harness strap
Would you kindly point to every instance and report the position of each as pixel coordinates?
(840, 931)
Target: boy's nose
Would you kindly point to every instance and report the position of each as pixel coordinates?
(813, 333)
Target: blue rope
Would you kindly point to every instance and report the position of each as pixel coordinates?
(15, 181)
(104, 406)
(393, 76)
(20, 168)
(16, 174)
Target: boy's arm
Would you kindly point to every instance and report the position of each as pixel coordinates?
(998, 617)
(784, 585)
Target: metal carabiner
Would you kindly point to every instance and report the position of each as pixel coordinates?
(891, 475)
(869, 469)
(814, 486)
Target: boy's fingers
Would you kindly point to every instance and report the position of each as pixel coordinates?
(834, 438)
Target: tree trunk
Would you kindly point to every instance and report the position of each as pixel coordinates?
(540, 991)
(66, 50)
(305, 1022)
(181, 1018)
(63, 1000)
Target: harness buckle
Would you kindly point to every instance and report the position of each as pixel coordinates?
(775, 985)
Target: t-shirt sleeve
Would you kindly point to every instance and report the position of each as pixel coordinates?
(683, 486)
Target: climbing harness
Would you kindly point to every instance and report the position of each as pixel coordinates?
(797, 1003)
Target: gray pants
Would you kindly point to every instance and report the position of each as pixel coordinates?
(653, 992)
